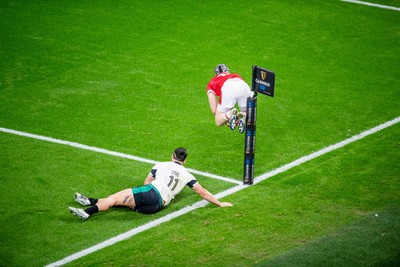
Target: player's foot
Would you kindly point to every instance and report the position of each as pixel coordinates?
(79, 212)
(233, 119)
(81, 199)
(242, 122)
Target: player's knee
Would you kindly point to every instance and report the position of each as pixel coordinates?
(220, 119)
(219, 123)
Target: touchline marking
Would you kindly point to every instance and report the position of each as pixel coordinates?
(112, 153)
(225, 193)
(372, 4)
(210, 175)
(326, 150)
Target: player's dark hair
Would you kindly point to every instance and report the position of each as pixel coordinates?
(180, 154)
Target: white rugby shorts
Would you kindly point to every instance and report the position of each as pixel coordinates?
(234, 91)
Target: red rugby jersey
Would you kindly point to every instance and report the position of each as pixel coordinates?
(218, 81)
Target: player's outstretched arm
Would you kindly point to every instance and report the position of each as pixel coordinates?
(205, 194)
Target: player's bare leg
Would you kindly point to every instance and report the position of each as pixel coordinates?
(222, 118)
(121, 198)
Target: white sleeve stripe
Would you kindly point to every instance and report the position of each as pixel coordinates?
(210, 91)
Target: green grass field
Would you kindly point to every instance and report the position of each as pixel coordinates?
(130, 76)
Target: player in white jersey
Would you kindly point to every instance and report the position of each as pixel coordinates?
(161, 185)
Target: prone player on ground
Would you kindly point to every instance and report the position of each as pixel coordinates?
(161, 185)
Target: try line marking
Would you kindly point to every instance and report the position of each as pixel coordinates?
(112, 153)
(372, 4)
(202, 203)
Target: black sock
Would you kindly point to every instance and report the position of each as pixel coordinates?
(93, 201)
(92, 210)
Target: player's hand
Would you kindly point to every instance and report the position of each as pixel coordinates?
(226, 204)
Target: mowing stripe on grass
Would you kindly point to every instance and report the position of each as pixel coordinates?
(112, 153)
(227, 192)
(372, 4)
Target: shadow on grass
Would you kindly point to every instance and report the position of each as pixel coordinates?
(373, 240)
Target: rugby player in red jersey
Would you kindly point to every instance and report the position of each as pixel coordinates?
(225, 91)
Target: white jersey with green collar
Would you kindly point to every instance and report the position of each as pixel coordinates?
(170, 178)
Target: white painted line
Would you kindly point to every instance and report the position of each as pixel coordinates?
(372, 4)
(326, 150)
(225, 193)
(109, 152)
(210, 175)
(122, 236)
(77, 145)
